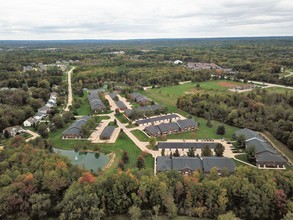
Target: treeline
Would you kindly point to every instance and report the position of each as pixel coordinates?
(142, 76)
(257, 110)
(38, 184)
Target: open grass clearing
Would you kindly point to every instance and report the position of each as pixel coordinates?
(279, 90)
(121, 118)
(84, 108)
(123, 143)
(140, 135)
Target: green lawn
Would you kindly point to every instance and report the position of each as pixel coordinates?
(124, 143)
(121, 118)
(168, 95)
(84, 108)
(204, 132)
(140, 135)
(280, 90)
(238, 164)
(58, 142)
(170, 101)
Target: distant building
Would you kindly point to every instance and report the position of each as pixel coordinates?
(171, 127)
(74, 130)
(265, 155)
(107, 133)
(30, 122)
(184, 147)
(139, 98)
(96, 103)
(178, 62)
(188, 165)
(12, 131)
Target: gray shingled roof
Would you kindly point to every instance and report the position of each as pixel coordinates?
(112, 95)
(181, 163)
(107, 132)
(156, 119)
(152, 130)
(120, 104)
(267, 157)
(96, 102)
(219, 162)
(260, 146)
(166, 127)
(186, 123)
(248, 134)
(165, 163)
(74, 129)
(186, 145)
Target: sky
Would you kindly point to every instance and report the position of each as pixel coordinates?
(137, 19)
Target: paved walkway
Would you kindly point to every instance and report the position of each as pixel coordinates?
(33, 134)
(111, 102)
(124, 100)
(70, 97)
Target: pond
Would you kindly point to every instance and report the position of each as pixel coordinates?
(88, 160)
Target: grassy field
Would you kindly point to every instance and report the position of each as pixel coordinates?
(169, 95)
(170, 102)
(58, 142)
(84, 108)
(121, 118)
(204, 132)
(140, 135)
(124, 143)
(279, 90)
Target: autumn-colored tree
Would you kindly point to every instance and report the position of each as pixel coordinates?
(87, 177)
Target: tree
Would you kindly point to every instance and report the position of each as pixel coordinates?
(125, 157)
(67, 116)
(140, 163)
(87, 177)
(191, 152)
(176, 153)
(121, 165)
(241, 141)
(206, 151)
(42, 130)
(228, 216)
(279, 203)
(163, 152)
(219, 150)
(221, 130)
(58, 121)
(152, 142)
(134, 212)
(250, 151)
(40, 204)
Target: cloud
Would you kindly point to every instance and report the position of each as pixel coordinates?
(114, 19)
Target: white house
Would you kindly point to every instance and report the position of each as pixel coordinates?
(30, 122)
(178, 62)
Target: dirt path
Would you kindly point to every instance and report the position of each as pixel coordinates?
(70, 97)
(111, 161)
(33, 134)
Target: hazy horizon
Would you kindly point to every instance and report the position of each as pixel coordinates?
(129, 19)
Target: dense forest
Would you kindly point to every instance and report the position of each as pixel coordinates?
(38, 184)
(257, 110)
